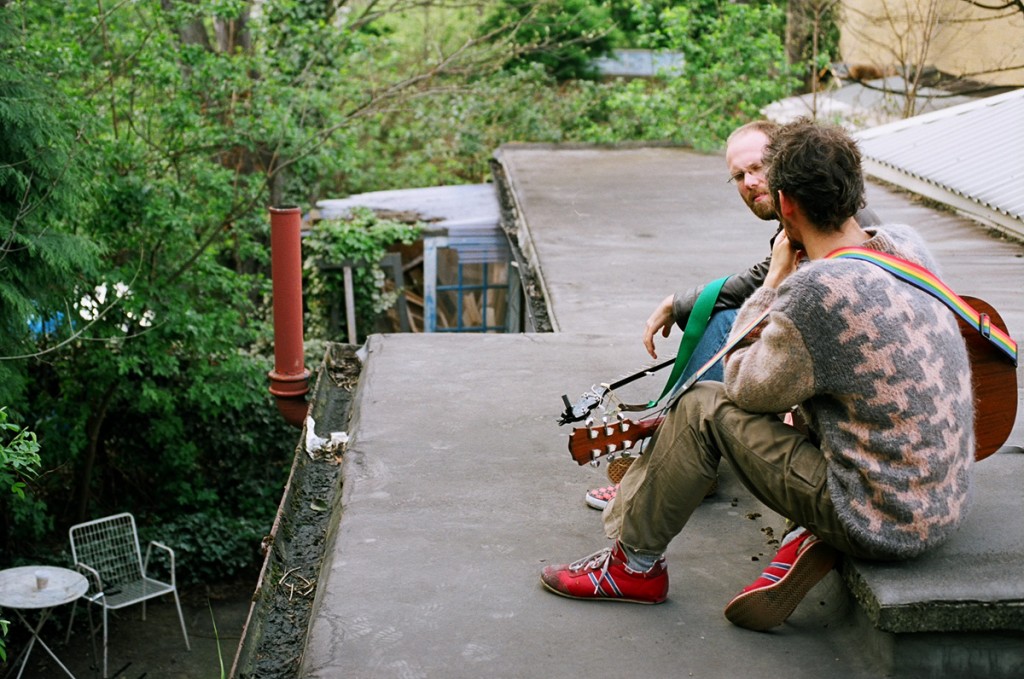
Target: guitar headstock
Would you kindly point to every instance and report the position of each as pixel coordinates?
(576, 412)
(593, 442)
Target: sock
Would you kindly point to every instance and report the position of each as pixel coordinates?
(639, 561)
(792, 535)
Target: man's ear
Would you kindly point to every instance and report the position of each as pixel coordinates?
(785, 205)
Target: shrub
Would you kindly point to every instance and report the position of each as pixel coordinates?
(564, 36)
(210, 546)
(362, 239)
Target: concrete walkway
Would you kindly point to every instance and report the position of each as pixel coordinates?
(458, 487)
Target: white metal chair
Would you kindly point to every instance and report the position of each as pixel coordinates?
(107, 552)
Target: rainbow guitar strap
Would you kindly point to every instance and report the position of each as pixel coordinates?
(925, 280)
(916, 275)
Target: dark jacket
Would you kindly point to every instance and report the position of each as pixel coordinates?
(740, 286)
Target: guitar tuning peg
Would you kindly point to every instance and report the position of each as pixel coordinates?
(611, 458)
(604, 419)
(589, 422)
(595, 463)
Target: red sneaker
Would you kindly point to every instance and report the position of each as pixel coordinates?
(605, 576)
(770, 599)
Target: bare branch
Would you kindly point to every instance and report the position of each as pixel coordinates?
(1016, 5)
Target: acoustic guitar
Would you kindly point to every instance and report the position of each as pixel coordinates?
(993, 375)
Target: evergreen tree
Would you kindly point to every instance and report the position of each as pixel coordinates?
(42, 198)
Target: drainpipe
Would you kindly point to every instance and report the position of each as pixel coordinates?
(289, 380)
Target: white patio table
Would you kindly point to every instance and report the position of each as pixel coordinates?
(41, 588)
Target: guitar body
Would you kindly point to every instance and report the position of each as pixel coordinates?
(993, 375)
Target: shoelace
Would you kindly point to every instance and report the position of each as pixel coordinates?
(602, 558)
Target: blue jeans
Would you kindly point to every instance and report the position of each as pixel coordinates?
(714, 338)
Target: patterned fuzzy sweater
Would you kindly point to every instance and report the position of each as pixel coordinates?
(880, 372)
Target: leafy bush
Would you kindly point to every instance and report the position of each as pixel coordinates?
(19, 456)
(735, 63)
(564, 36)
(209, 546)
(24, 513)
(362, 239)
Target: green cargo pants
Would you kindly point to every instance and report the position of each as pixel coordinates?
(775, 461)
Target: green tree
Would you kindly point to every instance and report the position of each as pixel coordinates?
(735, 63)
(44, 196)
(159, 348)
(564, 36)
(189, 117)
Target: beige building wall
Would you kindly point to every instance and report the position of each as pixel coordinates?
(952, 35)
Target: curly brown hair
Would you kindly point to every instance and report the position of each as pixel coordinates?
(818, 166)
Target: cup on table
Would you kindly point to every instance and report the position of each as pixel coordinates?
(42, 579)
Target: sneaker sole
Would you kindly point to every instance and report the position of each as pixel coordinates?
(768, 607)
(599, 598)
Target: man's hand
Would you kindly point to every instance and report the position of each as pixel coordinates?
(660, 321)
(784, 260)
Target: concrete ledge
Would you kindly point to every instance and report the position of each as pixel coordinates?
(973, 583)
(993, 655)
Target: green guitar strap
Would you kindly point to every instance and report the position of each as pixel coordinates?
(696, 324)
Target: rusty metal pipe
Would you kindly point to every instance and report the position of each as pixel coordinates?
(289, 380)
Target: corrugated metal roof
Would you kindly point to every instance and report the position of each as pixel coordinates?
(857, 106)
(974, 151)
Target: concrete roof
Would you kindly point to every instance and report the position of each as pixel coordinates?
(457, 487)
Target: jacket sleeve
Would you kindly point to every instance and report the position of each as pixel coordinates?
(734, 292)
(774, 372)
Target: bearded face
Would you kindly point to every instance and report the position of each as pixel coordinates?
(747, 171)
(759, 201)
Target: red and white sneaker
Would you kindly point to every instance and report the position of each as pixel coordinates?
(598, 498)
(795, 569)
(605, 576)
